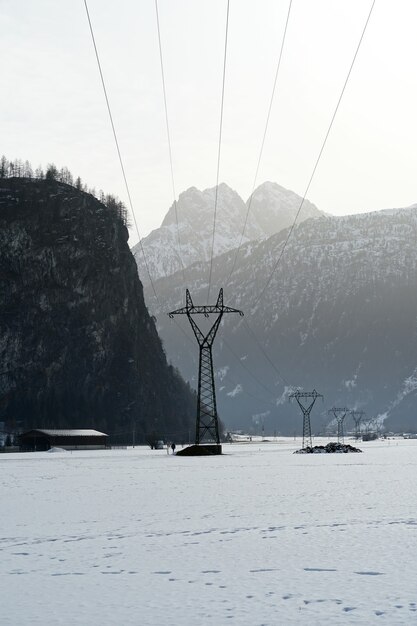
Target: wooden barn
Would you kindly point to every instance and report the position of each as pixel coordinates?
(45, 439)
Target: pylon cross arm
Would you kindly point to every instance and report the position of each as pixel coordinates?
(182, 311)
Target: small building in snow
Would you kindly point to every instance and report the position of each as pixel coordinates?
(44, 439)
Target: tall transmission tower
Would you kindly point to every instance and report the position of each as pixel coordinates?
(357, 418)
(306, 410)
(339, 415)
(207, 422)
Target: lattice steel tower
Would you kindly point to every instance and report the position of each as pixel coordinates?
(207, 423)
(306, 410)
(357, 418)
(339, 415)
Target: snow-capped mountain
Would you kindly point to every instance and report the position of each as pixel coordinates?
(273, 208)
(339, 315)
(168, 248)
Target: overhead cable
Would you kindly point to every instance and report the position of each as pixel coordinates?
(118, 147)
(243, 365)
(172, 168)
(262, 144)
(259, 297)
(218, 151)
(169, 140)
(169, 144)
(264, 352)
(255, 378)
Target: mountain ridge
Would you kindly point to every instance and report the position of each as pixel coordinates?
(338, 315)
(169, 248)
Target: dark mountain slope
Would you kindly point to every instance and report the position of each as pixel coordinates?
(339, 315)
(78, 347)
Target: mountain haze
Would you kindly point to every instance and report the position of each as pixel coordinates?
(167, 248)
(339, 315)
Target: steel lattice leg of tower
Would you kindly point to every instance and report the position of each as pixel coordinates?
(307, 430)
(339, 431)
(207, 426)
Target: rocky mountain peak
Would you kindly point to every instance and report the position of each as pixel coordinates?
(166, 249)
(274, 207)
(194, 205)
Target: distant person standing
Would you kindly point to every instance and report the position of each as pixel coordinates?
(167, 447)
(173, 447)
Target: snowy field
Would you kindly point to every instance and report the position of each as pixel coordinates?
(258, 536)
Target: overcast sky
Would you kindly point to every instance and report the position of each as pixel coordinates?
(53, 109)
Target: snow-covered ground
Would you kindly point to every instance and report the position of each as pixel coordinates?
(256, 536)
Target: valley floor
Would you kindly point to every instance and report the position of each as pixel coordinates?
(258, 536)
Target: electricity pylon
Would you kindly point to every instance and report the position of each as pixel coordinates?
(306, 410)
(207, 423)
(339, 414)
(357, 418)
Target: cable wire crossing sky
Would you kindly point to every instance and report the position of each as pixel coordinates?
(53, 110)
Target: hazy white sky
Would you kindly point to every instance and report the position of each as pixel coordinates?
(53, 109)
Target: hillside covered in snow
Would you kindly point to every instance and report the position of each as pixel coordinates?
(339, 315)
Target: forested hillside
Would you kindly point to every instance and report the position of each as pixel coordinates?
(78, 347)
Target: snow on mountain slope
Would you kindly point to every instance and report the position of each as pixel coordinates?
(273, 208)
(339, 315)
(168, 248)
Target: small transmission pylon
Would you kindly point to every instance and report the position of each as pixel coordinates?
(207, 423)
(306, 410)
(357, 418)
(339, 415)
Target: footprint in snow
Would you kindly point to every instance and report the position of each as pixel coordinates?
(263, 569)
(320, 569)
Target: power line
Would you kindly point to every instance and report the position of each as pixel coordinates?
(170, 153)
(243, 365)
(120, 156)
(252, 395)
(218, 162)
(306, 190)
(264, 352)
(169, 140)
(219, 151)
(318, 158)
(262, 143)
(118, 147)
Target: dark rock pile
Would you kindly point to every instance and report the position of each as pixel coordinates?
(332, 446)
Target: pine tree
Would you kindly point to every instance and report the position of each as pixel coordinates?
(4, 166)
(51, 172)
(27, 170)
